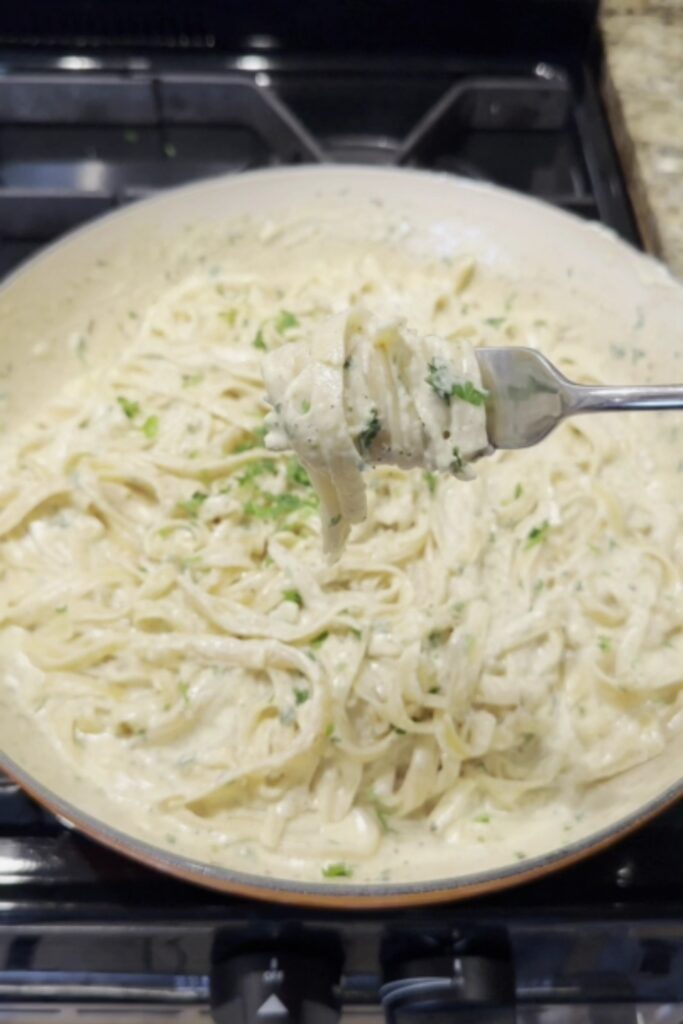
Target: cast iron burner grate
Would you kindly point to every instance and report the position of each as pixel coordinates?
(75, 143)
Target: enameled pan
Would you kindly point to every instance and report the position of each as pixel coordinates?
(123, 259)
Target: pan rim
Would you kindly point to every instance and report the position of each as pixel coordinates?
(339, 894)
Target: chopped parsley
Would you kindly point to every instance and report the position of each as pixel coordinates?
(382, 812)
(467, 392)
(604, 643)
(519, 490)
(370, 431)
(184, 691)
(305, 406)
(285, 322)
(320, 639)
(229, 316)
(150, 428)
(278, 506)
(495, 321)
(335, 520)
(258, 467)
(130, 409)
(294, 596)
(296, 474)
(192, 506)
(338, 870)
(482, 819)
(301, 696)
(255, 440)
(431, 480)
(458, 463)
(538, 534)
(258, 341)
(440, 380)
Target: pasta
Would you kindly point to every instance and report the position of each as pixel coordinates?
(477, 652)
(364, 393)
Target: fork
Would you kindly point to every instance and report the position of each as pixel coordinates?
(529, 397)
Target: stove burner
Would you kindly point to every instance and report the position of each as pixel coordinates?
(74, 145)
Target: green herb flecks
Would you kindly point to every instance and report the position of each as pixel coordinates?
(184, 692)
(259, 467)
(294, 596)
(229, 317)
(277, 507)
(538, 534)
(519, 490)
(458, 463)
(301, 696)
(320, 639)
(335, 520)
(383, 812)
(338, 870)
(431, 480)
(495, 321)
(440, 380)
(296, 474)
(130, 409)
(467, 392)
(258, 341)
(370, 431)
(285, 321)
(604, 643)
(192, 506)
(255, 440)
(150, 428)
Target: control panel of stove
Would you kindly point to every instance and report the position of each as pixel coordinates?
(290, 979)
(299, 979)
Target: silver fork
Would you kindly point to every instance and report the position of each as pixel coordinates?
(528, 396)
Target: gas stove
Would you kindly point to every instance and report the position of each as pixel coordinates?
(98, 110)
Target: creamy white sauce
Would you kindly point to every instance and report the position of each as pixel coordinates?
(442, 698)
(359, 393)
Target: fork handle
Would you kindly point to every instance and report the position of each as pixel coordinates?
(579, 398)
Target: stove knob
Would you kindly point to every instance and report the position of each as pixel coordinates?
(274, 988)
(473, 981)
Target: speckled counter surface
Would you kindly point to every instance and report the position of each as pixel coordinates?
(643, 88)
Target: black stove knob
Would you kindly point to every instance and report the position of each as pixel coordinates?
(274, 987)
(462, 980)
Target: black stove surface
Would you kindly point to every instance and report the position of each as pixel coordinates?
(82, 133)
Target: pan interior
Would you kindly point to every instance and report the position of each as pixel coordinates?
(128, 261)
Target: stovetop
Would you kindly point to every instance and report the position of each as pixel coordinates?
(84, 134)
(86, 933)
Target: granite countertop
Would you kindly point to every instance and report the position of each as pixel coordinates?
(643, 89)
